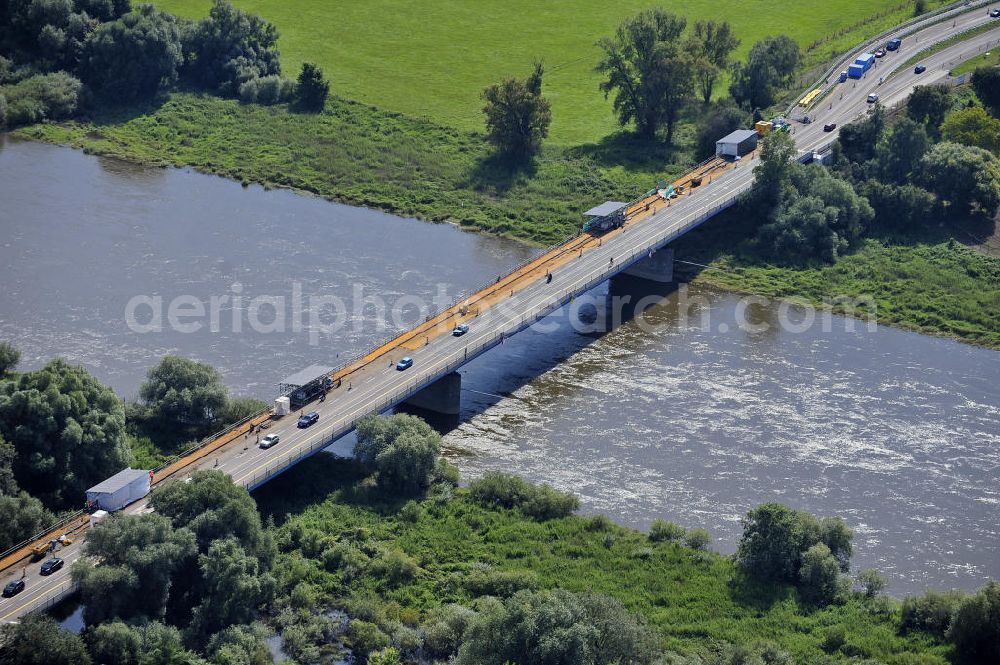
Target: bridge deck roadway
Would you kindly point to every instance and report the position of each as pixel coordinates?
(371, 385)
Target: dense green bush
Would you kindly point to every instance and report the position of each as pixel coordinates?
(402, 449)
(22, 516)
(180, 392)
(697, 538)
(501, 583)
(556, 627)
(900, 207)
(41, 97)
(769, 66)
(975, 626)
(267, 90)
(134, 57)
(664, 531)
(9, 355)
(930, 612)
(819, 216)
(37, 639)
(496, 489)
(395, 567)
(231, 47)
(775, 538)
(966, 176)
(819, 576)
(312, 89)
(444, 628)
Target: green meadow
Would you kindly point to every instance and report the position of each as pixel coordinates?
(433, 58)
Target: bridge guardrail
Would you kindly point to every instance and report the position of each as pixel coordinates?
(56, 527)
(904, 29)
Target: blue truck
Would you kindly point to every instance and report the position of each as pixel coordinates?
(866, 60)
(855, 71)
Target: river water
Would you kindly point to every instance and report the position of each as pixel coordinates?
(687, 418)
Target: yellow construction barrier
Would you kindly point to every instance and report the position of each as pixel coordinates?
(808, 99)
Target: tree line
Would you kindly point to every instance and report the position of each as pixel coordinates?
(654, 67)
(59, 56)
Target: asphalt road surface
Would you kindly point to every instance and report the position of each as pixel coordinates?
(376, 388)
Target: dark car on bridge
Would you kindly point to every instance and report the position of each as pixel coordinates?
(919, 69)
(13, 588)
(460, 330)
(405, 363)
(51, 566)
(308, 420)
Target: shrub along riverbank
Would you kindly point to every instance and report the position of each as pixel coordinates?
(405, 569)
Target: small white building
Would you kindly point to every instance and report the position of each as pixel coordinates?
(736, 144)
(119, 490)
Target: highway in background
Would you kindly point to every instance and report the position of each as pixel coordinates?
(377, 385)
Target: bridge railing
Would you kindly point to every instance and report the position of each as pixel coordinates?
(54, 597)
(57, 526)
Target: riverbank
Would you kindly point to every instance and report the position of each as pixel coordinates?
(365, 156)
(927, 282)
(391, 563)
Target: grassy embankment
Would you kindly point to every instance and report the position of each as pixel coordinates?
(988, 59)
(692, 599)
(438, 169)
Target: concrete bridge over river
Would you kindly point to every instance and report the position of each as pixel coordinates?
(371, 384)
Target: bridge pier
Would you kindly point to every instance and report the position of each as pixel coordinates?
(659, 267)
(443, 397)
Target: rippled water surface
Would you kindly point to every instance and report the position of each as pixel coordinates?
(897, 432)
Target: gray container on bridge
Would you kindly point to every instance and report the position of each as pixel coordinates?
(736, 144)
(119, 490)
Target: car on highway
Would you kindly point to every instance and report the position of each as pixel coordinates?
(995, 13)
(880, 53)
(268, 441)
(872, 98)
(405, 363)
(919, 69)
(460, 330)
(829, 127)
(307, 420)
(51, 566)
(843, 76)
(13, 588)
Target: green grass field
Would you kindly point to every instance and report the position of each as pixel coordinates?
(433, 58)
